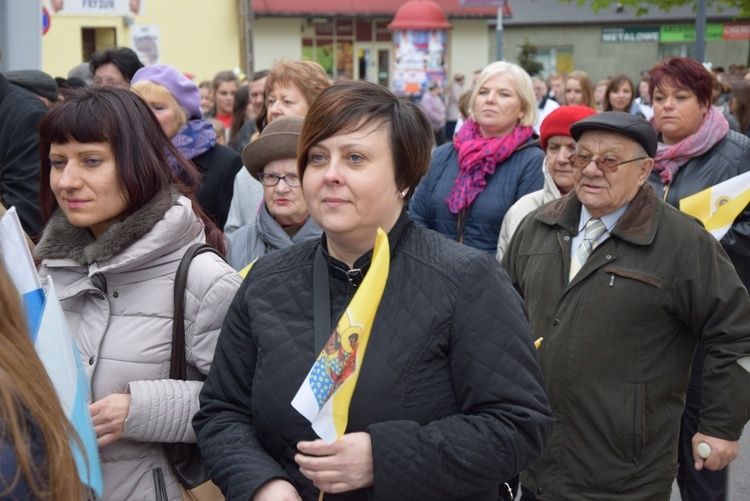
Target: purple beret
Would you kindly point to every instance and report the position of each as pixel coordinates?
(181, 87)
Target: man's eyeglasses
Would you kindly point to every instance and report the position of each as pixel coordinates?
(268, 179)
(604, 164)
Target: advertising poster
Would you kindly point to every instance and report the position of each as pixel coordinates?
(420, 59)
(144, 40)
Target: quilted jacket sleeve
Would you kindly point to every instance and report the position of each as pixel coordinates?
(162, 410)
(227, 436)
(505, 417)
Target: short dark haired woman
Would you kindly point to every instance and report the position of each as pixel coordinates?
(449, 400)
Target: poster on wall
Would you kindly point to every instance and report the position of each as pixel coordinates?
(420, 59)
(96, 7)
(144, 40)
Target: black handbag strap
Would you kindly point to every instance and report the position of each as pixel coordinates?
(178, 367)
(321, 301)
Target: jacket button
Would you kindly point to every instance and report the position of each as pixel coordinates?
(539, 490)
(115, 294)
(566, 238)
(555, 322)
(91, 361)
(609, 256)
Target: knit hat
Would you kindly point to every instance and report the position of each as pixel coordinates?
(632, 126)
(559, 121)
(181, 87)
(278, 140)
(35, 81)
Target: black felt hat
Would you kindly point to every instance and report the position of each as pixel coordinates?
(620, 122)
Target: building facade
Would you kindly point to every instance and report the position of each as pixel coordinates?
(350, 38)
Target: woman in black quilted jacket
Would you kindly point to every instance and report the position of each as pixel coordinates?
(436, 395)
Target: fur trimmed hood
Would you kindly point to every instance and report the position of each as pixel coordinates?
(62, 240)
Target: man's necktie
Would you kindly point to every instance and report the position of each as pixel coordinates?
(594, 229)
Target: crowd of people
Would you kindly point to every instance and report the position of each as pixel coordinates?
(489, 294)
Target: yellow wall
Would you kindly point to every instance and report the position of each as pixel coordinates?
(276, 38)
(468, 47)
(196, 36)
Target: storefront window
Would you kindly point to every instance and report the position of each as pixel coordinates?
(332, 44)
(555, 59)
(670, 50)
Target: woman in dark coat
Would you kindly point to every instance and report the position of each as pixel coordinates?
(431, 343)
(175, 100)
(696, 151)
(491, 163)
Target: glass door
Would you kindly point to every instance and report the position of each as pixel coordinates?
(373, 62)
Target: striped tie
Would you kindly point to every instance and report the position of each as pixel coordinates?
(594, 229)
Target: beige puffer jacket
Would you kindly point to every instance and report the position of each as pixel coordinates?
(519, 210)
(117, 295)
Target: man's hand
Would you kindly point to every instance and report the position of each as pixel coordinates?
(343, 466)
(109, 415)
(722, 452)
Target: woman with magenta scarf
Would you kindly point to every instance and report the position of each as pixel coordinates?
(696, 151)
(492, 162)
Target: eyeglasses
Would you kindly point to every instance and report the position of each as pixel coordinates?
(604, 164)
(268, 179)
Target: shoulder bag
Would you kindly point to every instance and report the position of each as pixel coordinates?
(185, 459)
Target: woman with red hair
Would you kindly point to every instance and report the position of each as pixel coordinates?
(696, 151)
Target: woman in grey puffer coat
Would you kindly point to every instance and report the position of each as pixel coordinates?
(119, 223)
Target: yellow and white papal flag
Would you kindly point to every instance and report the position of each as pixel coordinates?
(326, 392)
(718, 206)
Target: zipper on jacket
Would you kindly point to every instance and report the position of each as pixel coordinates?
(160, 488)
(566, 259)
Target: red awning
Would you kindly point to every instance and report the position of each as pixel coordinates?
(358, 8)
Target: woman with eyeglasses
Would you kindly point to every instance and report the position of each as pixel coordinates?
(283, 218)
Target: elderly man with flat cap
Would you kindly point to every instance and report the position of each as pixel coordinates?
(621, 286)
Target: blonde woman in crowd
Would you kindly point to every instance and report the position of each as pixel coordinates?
(491, 163)
(579, 90)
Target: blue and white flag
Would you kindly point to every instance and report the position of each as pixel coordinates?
(55, 346)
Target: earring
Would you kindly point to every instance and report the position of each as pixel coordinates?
(403, 193)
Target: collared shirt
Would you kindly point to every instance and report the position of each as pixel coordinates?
(609, 220)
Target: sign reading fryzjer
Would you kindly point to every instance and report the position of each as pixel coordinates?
(96, 7)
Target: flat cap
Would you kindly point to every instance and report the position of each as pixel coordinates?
(35, 81)
(629, 125)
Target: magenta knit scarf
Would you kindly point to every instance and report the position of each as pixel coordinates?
(669, 159)
(478, 158)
